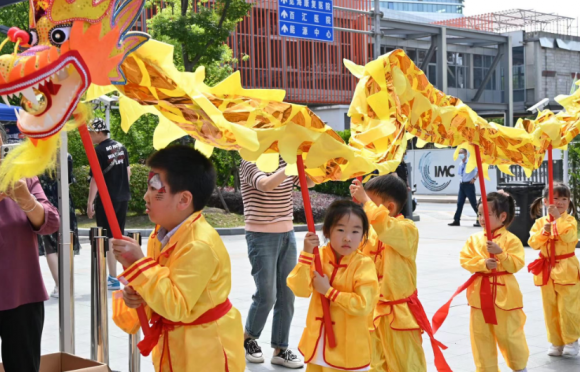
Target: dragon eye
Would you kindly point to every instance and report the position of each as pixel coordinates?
(59, 35)
(33, 37)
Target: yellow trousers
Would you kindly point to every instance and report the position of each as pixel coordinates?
(317, 368)
(508, 334)
(378, 362)
(403, 350)
(561, 312)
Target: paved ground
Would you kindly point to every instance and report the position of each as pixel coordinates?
(439, 276)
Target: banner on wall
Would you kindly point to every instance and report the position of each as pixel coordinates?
(435, 172)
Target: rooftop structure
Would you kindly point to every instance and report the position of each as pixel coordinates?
(517, 20)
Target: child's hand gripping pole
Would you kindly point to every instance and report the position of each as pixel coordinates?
(488, 309)
(354, 199)
(107, 205)
(310, 221)
(551, 200)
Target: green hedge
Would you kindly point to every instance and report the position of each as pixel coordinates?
(80, 190)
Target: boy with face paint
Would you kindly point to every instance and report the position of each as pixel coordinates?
(185, 279)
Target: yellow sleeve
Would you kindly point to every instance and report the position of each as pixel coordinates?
(402, 236)
(513, 258)
(173, 291)
(125, 317)
(470, 259)
(566, 230)
(538, 237)
(300, 278)
(363, 300)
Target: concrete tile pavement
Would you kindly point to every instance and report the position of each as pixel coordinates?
(439, 274)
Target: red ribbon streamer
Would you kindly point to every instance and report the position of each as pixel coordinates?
(418, 312)
(490, 318)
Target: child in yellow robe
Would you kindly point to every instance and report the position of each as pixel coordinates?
(185, 279)
(399, 318)
(349, 283)
(559, 279)
(498, 323)
(374, 249)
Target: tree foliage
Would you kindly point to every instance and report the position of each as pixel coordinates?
(15, 15)
(199, 32)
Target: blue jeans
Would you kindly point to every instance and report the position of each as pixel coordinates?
(466, 190)
(273, 256)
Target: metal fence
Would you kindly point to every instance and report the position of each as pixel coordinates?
(539, 175)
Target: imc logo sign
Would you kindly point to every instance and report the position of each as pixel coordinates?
(435, 177)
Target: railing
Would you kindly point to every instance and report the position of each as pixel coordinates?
(539, 175)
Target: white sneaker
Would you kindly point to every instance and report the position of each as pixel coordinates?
(571, 349)
(54, 293)
(286, 358)
(253, 351)
(555, 350)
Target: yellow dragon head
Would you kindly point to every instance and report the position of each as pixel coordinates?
(71, 44)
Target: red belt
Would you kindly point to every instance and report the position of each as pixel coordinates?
(543, 266)
(161, 325)
(418, 312)
(486, 298)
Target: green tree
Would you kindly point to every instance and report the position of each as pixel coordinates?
(199, 32)
(15, 15)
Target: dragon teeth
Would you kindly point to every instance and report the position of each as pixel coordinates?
(6, 101)
(62, 74)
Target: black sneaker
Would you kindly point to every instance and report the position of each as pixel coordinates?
(286, 358)
(253, 351)
(477, 224)
(454, 223)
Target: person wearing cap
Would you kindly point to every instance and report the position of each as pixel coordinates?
(114, 161)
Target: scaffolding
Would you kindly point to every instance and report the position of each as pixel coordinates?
(517, 20)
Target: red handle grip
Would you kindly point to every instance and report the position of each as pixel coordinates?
(310, 222)
(107, 205)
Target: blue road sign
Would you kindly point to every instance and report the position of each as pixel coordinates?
(306, 19)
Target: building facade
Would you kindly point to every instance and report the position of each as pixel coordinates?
(435, 10)
(497, 71)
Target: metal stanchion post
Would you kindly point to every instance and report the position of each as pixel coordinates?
(99, 308)
(134, 354)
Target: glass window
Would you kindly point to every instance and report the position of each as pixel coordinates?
(477, 77)
(518, 56)
(412, 53)
(458, 72)
(477, 60)
(432, 75)
(518, 77)
(451, 58)
(451, 77)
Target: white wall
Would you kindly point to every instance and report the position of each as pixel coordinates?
(333, 116)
